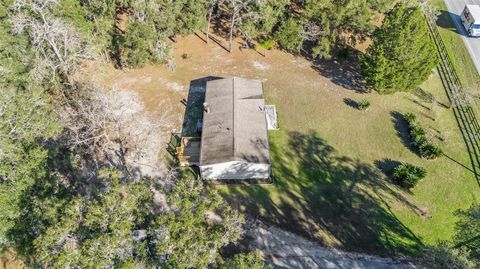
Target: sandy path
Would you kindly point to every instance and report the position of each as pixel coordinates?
(286, 250)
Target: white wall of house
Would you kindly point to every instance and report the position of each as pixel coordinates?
(235, 170)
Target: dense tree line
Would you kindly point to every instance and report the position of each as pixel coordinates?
(135, 32)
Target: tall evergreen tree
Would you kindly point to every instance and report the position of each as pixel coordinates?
(403, 53)
(288, 35)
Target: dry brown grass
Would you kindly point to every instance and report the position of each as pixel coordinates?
(9, 260)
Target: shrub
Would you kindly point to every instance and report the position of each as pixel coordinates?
(425, 148)
(363, 104)
(134, 47)
(430, 151)
(409, 117)
(288, 35)
(417, 131)
(407, 175)
(267, 44)
(447, 256)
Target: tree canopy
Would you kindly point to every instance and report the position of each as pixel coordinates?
(135, 32)
(403, 53)
(123, 226)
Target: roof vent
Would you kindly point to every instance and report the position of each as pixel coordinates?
(206, 107)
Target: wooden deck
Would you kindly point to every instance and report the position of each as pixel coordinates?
(188, 152)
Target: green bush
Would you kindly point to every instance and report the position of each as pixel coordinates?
(135, 46)
(288, 35)
(407, 175)
(252, 260)
(446, 256)
(409, 118)
(417, 131)
(267, 44)
(363, 104)
(425, 148)
(430, 151)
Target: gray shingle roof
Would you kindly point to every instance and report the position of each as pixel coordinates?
(235, 127)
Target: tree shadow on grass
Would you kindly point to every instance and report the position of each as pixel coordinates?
(337, 200)
(401, 126)
(351, 103)
(387, 166)
(346, 74)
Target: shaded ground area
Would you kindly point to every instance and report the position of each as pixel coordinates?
(338, 199)
(343, 73)
(192, 118)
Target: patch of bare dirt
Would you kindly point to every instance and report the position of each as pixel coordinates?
(9, 260)
(162, 91)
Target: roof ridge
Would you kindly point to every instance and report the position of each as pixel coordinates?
(243, 135)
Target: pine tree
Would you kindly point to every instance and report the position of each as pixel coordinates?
(288, 35)
(403, 53)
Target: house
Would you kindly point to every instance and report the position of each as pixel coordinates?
(234, 141)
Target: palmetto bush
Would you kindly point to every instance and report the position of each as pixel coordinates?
(409, 118)
(424, 146)
(430, 151)
(407, 175)
(363, 104)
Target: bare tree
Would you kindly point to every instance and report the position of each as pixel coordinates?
(111, 128)
(214, 6)
(57, 44)
(238, 10)
(312, 31)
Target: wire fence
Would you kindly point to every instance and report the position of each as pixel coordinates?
(462, 109)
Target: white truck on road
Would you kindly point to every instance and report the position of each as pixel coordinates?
(471, 20)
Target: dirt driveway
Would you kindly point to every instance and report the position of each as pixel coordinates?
(285, 250)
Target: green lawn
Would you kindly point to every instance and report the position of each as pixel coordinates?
(332, 165)
(458, 52)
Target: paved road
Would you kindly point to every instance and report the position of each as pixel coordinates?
(285, 250)
(455, 7)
